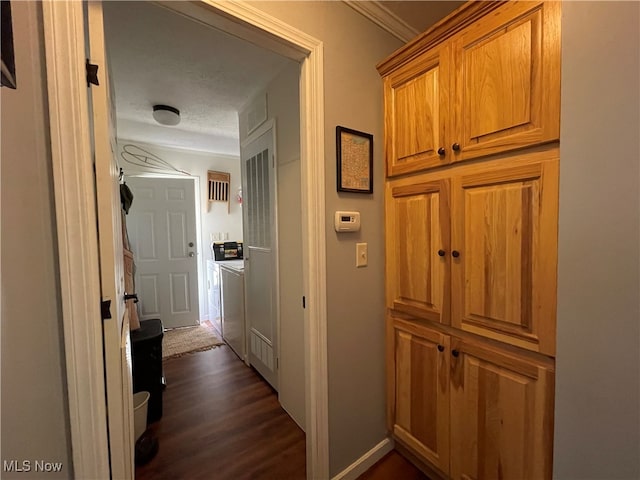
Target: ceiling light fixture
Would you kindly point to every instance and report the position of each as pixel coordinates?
(166, 115)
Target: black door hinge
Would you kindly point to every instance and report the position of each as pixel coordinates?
(105, 308)
(92, 74)
(304, 302)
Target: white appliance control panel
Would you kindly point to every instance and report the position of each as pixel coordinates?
(347, 221)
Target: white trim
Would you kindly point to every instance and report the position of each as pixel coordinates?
(77, 236)
(366, 461)
(384, 18)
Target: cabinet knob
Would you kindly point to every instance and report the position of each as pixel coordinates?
(455, 253)
(440, 348)
(441, 253)
(455, 147)
(441, 151)
(455, 353)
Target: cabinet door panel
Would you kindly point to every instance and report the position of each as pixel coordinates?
(507, 80)
(502, 415)
(505, 277)
(422, 393)
(416, 106)
(417, 230)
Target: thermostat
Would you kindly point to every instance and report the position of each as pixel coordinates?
(347, 221)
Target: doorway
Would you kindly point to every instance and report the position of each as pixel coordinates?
(64, 38)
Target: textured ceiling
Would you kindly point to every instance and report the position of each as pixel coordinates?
(159, 57)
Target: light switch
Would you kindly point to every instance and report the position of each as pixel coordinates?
(361, 255)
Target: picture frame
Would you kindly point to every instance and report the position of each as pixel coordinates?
(354, 152)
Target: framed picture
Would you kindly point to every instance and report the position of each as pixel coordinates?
(355, 160)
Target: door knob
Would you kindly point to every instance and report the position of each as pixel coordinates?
(440, 348)
(441, 151)
(455, 353)
(191, 244)
(191, 254)
(455, 147)
(441, 253)
(455, 253)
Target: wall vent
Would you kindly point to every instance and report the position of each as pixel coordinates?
(219, 184)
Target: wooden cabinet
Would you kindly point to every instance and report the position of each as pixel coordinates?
(421, 394)
(475, 247)
(418, 231)
(507, 80)
(471, 410)
(501, 414)
(416, 108)
(505, 233)
(489, 83)
(471, 246)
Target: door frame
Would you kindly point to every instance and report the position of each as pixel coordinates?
(74, 192)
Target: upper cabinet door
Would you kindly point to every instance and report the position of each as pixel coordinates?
(504, 262)
(507, 80)
(418, 274)
(416, 108)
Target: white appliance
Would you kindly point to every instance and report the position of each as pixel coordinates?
(233, 320)
(213, 295)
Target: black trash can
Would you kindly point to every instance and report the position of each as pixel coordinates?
(146, 346)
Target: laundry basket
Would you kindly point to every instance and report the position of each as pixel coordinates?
(140, 402)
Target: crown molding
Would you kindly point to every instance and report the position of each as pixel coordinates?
(384, 18)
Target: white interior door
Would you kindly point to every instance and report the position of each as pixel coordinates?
(260, 254)
(162, 232)
(117, 348)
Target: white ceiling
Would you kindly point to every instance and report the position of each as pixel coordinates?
(159, 57)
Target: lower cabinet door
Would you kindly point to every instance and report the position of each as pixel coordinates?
(421, 417)
(501, 414)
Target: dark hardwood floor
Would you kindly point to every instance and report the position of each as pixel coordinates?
(222, 421)
(393, 466)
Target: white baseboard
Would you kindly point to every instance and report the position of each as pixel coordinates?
(367, 461)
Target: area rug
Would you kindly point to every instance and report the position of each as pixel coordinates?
(180, 341)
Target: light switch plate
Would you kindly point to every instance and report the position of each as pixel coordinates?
(362, 257)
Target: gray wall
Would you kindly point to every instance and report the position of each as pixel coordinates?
(355, 296)
(597, 424)
(34, 404)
